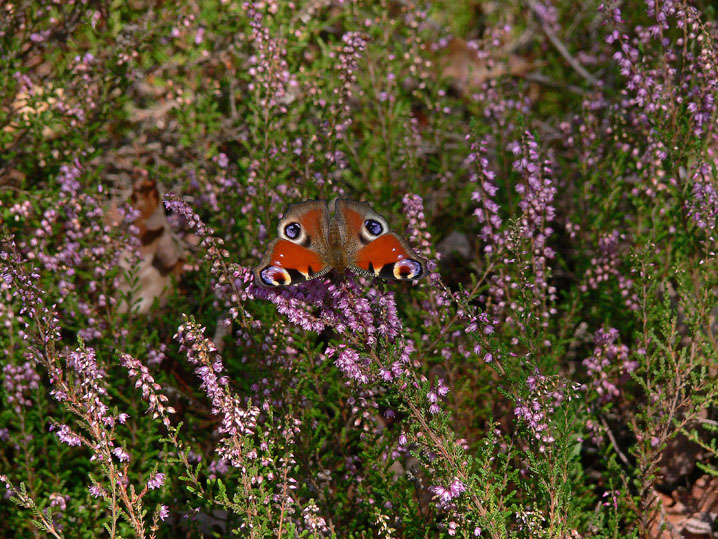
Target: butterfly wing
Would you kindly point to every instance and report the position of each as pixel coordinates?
(299, 253)
(371, 249)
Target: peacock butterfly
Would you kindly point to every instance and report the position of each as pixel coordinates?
(316, 236)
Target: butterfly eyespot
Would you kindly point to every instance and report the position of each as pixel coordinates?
(292, 230)
(407, 269)
(374, 227)
(275, 276)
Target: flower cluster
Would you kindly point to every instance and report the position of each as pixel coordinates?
(269, 70)
(353, 45)
(444, 495)
(297, 302)
(33, 313)
(388, 324)
(682, 75)
(313, 521)
(237, 421)
(441, 390)
(537, 409)
(193, 221)
(82, 394)
(606, 265)
(344, 306)
(156, 480)
(703, 206)
(528, 241)
(608, 363)
(418, 229)
(537, 193)
(346, 310)
(18, 381)
(150, 389)
(67, 436)
(350, 362)
(485, 190)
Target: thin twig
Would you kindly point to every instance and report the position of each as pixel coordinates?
(547, 81)
(563, 51)
(623, 457)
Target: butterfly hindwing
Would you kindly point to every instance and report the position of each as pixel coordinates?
(390, 257)
(289, 263)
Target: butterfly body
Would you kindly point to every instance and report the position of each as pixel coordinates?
(316, 236)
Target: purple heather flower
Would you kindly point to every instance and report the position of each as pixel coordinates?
(607, 364)
(199, 36)
(180, 207)
(295, 303)
(59, 501)
(703, 205)
(349, 362)
(236, 419)
(18, 381)
(218, 467)
(485, 189)
(97, 491)
(418, 233)
(65, 435)
(121, 454)
(156, 480)
(614, 497)
(456, 488)
(150, 389)
(443, 494)
(546, 393)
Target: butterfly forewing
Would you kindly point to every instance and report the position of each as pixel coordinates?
(371, 249)
(299, 253)
(390, 257)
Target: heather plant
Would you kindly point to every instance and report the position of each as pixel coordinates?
(553, 376)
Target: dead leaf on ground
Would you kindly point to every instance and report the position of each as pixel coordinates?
(463, 65)
(161, 254)
(688, 513)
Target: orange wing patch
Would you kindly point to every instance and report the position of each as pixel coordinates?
(289, 255)
(384, 250)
